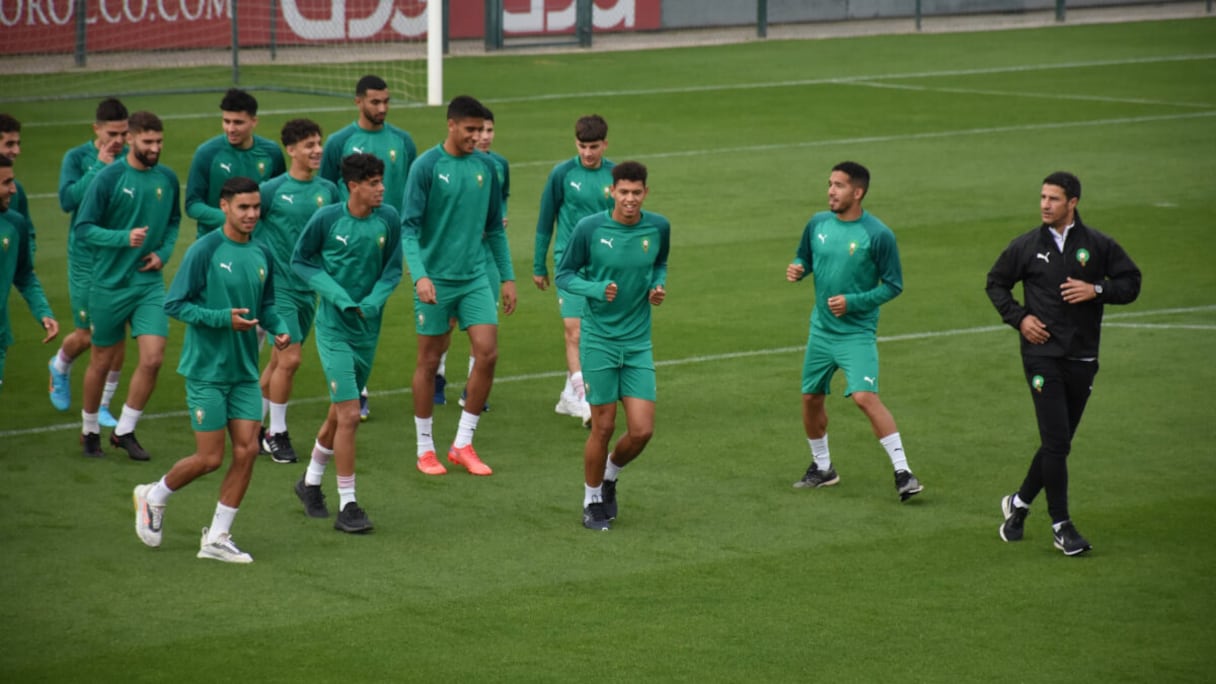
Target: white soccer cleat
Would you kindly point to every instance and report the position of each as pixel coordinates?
(148, 517)
(222, 549)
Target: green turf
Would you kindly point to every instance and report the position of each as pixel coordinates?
(717, 570)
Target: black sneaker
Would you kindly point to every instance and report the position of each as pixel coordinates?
(817, 478)
(907, 485)
(609, 492)
(263, 449)
(1015, 517)
(128, 442)
(280, 448)
(91, 442)
(595, 518)
(313, 499)
(352, 519)
(441, 383)
(1070, 541)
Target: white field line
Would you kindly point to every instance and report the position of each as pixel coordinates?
(75, 425)
(1037, 95)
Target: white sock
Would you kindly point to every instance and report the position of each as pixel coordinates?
(127, 421)
(819, 451)
(464, 433)
(443, 365)
(159, 496)
(611, 470)
(577, 389)
(346, 491)
(278, 419)
(316, 464)
(895, 450)
(265, 408)
(592, 494)
(88, 423)
(62, 363)
(107, 394)
(221, 522)
(1017, 501)
(426, 440)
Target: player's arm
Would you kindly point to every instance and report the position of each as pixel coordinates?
(890, 276)
(550, 200)
(495, 236)
(73, 182)
(268, 314)
(803, 261)
(89, 228)
(165, 250)
(306, 261)
(331, 159)
(576, 257)
(186, 290)
(390, 268)
(198, 186)
(413, 210)
(26, 281)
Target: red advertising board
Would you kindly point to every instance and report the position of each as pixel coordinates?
(49, 26)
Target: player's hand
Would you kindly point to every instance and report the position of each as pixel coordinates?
(138, 235)
(52, 328)
(838, 305)
(1076, 291)
(504, 223)
(794, 272)
(426, 291)
(657, 295)
(282, 341)
(610, 292)
(1033, 329)
(151, 262)
(105, 155)
(242, 324)
(509, 297)
(541, 282)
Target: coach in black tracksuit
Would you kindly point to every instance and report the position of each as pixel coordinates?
(1068, 271)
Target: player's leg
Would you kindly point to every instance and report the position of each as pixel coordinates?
(433, 328)
(94, 382)
(492, 285)
(573, 399)
(859, 360)
(818, 367)
(308, 487)
(278, 439)
(150, 328)
(639, 392)
(113, 377)
(244, 411)
(79, 340)
(477, 314)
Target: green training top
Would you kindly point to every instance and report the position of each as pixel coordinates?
(857, 259)
(215, 161)
(502, 169)
(218, 275)
(80, 166)
(452, 205)
(390, 144)
(287, 204)
(352, 263)
(572, 193)
(21, 205)
(603, 251)
(17, 268)
(120, 199)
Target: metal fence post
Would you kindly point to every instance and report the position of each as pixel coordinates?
(761, 18)
(82, 34)
(1060, 10)
(493, 10)
(447, 26)
(582, 22)
(918, 14)
(236, 45)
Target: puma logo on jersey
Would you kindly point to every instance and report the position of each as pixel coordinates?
(226, 167)
(576, 186)
(822, 238)
(129, 191)
(290, 199)
(358, 150)
(868, 379)
(444, 177)
(342, 238)
(607, 241)
(1044, 256)
(227, 266)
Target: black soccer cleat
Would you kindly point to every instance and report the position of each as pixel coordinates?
(609, 493)
(817, 478)
(352, 519)
(131, 445)
(1070, 541)
(280, 448)
(1015, 518)
(907, 485)
(91, 445)
(313, 499)
(595, 518)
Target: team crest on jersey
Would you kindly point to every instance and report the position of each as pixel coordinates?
(852, 248)
(4, 243)
(607, 191)
(392, 156)
(480, 180)
(261, 168)
(1083, 256)
(381, 242)
(320, 201)
(645, 245)
(261, 273)
(199, 414)
(421, 319)
(1037, 383)
(160, 194)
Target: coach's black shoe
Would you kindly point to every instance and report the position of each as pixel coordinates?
(313, 499)
(907, 485)
(609, 493)
(817, 478)
(595, 518)
(352, 519)
(263, 448)
(1070, 541)
(1015, 518)
(279, 447)
(131, 445)
(91, 445)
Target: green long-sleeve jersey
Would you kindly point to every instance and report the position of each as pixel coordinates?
(287, 205)
(603, 251)
(572, 193)
(80, 166)
(353, 264)
(215, 161)
(120, 199)
(218, 275)
(453, 205)
(390, 144)
(858, 259)
(21, 204)
(17, 269)
(502, 169)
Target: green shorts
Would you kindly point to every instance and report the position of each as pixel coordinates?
(79, 279)
(143, 306)
(612, 372)
(856, 355)
(570, 305)
(468, 302)
(297, 310)
(213, 404)
(346, 365)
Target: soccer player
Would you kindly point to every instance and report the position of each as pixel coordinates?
(129, 219)
(855, 262)
(235, 152)
(222, 292)
(371, 134)
(1069, 272)
(80, 166)
(288, 202)
(576, 189)
(453, 206)
(10, 147)
(617, 260)
(17, 266)
(350, 254)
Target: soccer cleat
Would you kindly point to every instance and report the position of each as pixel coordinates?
(440, 384)
(429, 464)
(60, 387)
(907, 485)
(131, 445)
(465, 395)
(91, 442)
(105, 418)
(1070, 541)
(263, 448)
(148, 517)
(279, 447)
(465, 456)
(609, 494)
(352, 519)
(596, 518)
(1015, 517)
(222, 549)
(817, 478)
(313, 499)
(364, 412)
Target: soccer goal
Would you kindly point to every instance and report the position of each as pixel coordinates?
(53, 49)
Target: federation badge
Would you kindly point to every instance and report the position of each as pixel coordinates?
(320, 201)
(645, 245)
(160, 194)
(261, 168)
(199, 414)
(607, 191)
(480, 180)
(1037, 383)
(852, 248)
(381, 241)
(4, 243)
(392, 156)
(1083, 256)
(421, 319)
(261, 273)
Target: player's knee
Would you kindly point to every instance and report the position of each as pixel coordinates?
(347, 414)
(289, 362)
(152, 360)
(641, 434)
(211, 460)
